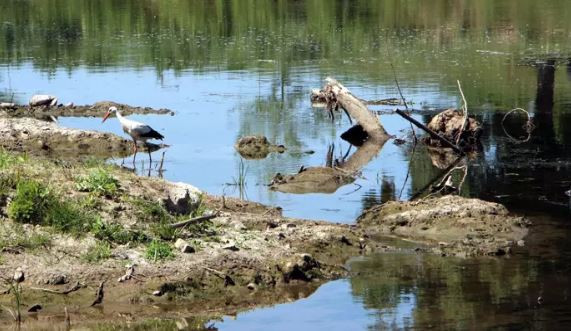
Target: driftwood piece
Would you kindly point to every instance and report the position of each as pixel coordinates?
(194, 220)
(338, 95)
(433, 134)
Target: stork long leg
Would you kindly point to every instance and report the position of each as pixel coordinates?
(134, 150)
(149, 151)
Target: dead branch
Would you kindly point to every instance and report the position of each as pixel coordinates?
(430, 132)
(465, 110)
(438, 178)
(73, 288)
(194, 220)
(528, 126)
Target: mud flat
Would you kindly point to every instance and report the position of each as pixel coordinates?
(44, 137)
(232, 255)
(98, 109)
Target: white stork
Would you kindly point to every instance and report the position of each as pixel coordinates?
(137, 130)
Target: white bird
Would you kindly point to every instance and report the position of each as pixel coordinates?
(137, 130)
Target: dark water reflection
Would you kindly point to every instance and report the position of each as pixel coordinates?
(230, 68)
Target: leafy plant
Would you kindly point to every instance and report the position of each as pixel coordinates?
(99, 181)
(31, 202)
(35, 203)
(8, 159)
(114, 232)
(158, 250)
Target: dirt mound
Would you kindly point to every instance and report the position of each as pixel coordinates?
(458, 226)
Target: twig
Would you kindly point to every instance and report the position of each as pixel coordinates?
(442, 174)
(430, 132)
(216, 272)
(74, 288)
(528, 126)
(465, 111)
(408, 171)
(403, 99)
(194, 220)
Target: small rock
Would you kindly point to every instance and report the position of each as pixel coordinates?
(521, 243)
(43, 100)
(69, 105)
(346, 241)
(157, 293)
(251, 286)
(35, 308)
(7, 105)
(539, 300)
(271, 225)
(231, 247)
(183, 246)
(19, 275)
(181, 198)
(56, 279)
(281, 236)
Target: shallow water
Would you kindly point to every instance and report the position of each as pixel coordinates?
(233, 68)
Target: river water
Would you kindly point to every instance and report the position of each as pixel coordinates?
(232, 68)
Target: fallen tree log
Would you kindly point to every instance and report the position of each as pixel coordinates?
(337, 95)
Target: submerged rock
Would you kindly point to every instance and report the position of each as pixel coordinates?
(256, 147)
(311, 180)
(455, 225)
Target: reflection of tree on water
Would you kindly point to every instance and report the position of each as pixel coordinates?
(450, 293)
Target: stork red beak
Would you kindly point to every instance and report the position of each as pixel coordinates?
(106, 116)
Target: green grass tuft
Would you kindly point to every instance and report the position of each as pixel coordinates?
(98, 252)
(115, 233)
(9, 159)
(34, 203)
(159, 250)
(31, 202)
(100, 182)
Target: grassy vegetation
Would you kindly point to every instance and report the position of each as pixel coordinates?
(116, 233)
(35, 203)
(158, 250)
(98, 252)
(58, 207)
(16, 237)
(100, 182)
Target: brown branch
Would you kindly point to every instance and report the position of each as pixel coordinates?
(194, 220)
(74, 288)
(430, 132)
